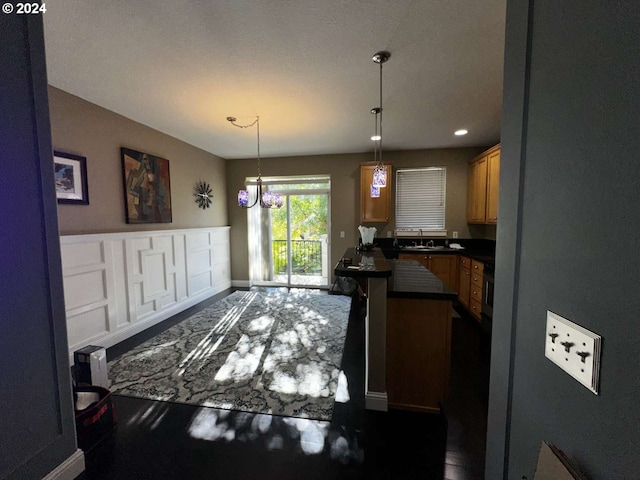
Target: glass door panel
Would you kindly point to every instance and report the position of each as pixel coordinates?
(299, 239)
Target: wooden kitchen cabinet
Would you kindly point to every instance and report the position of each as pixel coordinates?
(464, 282)
(483, 186)
(470, 286)
(444, 266)
(477, 195)
(418, 353)
(493, 180)
(475, 299)
(374, 209)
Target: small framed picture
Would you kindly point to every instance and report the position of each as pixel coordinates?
(71, 178)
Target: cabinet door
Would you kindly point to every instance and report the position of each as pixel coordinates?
(418, 353)
(477, 191)
(445, 268)
(418, 257)
(480, 192)
(374, 209)
(493, 177)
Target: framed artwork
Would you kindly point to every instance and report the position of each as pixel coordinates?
(71, 178)
(147, 187)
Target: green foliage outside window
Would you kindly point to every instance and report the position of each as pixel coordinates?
(308, 223)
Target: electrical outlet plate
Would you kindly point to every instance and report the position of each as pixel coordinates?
(574, 349)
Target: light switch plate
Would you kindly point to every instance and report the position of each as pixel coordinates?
(574, 349)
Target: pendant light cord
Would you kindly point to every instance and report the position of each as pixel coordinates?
(232, 120)
(380, 141)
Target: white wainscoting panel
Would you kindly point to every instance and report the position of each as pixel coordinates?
(118, 284)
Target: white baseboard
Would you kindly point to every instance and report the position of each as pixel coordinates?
(69, 469)
(376, 401)
(241, 283)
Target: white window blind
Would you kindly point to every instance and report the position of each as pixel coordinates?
(420, 199)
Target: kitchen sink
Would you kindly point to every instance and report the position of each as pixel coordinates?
(422, 247)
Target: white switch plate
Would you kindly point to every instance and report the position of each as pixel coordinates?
(562, 335)
(341, 233)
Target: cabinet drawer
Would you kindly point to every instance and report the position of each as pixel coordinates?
(477, 266)
(476, 279)
(476, 293)
(476, 308)
(465, 262)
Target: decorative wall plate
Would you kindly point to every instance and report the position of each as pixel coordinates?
(203, 195)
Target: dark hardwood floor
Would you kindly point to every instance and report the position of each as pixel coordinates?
(159, 440)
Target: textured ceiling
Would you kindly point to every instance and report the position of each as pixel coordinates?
(304, 66)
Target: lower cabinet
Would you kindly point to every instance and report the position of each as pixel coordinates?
(418, 353)
(444, 266)
(464, 282)
(470, 285)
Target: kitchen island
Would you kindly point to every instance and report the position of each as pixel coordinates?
(408, 331)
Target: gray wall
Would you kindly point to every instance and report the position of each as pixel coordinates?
(85, 129)
(37, 430)
(567, 237)
(345, 194)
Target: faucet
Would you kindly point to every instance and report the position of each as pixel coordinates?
(420, 230)
(430, 243)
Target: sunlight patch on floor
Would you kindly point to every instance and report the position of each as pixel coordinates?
(242, 363)
(154, 350)
(273, 432)
(342, 390)
(312, 434)
(206, 346)
(151, 416)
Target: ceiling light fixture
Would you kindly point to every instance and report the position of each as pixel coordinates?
(461, 132)
(267, 199)
(379, 171)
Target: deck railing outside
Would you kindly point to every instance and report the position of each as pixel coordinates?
(306, 257)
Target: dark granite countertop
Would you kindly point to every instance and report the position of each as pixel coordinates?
(481, 250)
(411, 279)
(408, 278)
(363, 264)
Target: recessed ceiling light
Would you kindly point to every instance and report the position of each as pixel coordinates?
(461, 132)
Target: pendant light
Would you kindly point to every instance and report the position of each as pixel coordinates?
(267, 199)
(379, 171)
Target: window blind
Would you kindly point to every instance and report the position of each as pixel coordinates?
(420, 198)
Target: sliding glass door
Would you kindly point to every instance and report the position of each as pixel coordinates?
(291, 244)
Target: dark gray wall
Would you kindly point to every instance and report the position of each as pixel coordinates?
(36, 418)
(567, 239)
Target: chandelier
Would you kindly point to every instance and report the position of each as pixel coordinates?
(379, 171)
(267, 198)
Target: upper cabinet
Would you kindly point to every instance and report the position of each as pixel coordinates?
(482, 195)
(477, 195)
(374, 209)
(493, 178)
